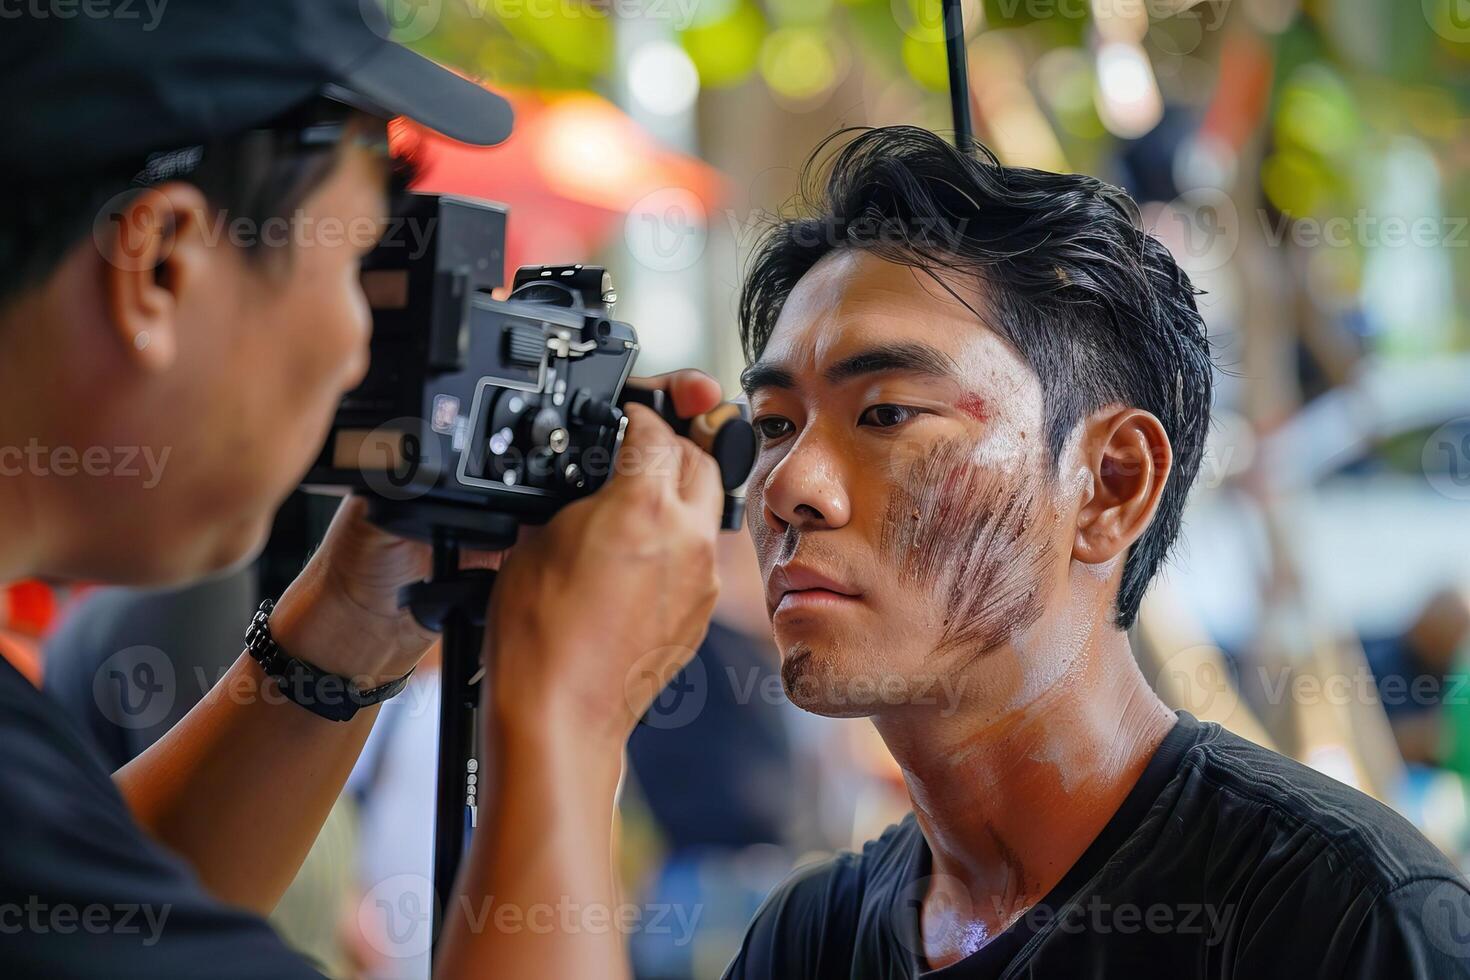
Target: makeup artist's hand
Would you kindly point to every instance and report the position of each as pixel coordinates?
(593, 613)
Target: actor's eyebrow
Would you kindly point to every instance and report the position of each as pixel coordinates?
(914, 358)
(761, 375)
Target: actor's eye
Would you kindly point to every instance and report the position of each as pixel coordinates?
(772, 427)
(887, 416)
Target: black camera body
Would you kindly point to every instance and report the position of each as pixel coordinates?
(479, 414)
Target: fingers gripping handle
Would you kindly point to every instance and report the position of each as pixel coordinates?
(724, 432)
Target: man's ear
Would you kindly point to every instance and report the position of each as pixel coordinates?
(154, 249)
(1128, 457)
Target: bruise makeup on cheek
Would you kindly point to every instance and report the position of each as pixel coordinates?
(974, 537)
(974, 406)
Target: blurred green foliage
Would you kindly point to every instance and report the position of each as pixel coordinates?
(1348, 78)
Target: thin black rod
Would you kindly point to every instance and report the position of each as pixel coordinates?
(959, 75)
(459, 662)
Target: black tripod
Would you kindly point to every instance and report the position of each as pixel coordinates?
(453, 603)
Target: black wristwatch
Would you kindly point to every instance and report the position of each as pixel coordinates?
(332, 696)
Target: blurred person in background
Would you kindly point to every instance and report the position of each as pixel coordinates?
(714, 765)
(1438, 648)
(1420, 676)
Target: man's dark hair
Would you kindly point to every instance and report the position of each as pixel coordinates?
(257, 176)
(1095, 305)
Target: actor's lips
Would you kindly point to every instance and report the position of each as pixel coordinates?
(796, 587)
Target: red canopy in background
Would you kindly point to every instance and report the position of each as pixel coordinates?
(27, 607)
(27, 612)
(573, 169)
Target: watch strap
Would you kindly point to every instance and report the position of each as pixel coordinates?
(331, 696)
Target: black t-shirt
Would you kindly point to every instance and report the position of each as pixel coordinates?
(84, 892)
(1225, 860)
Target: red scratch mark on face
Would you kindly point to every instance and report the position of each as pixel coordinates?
(974, 406)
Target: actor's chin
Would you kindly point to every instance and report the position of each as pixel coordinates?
(813, 683)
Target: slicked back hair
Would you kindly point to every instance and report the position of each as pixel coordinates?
(1095, 305)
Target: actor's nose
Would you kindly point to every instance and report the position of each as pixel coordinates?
(805, 491)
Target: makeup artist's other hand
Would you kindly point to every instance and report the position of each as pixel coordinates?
(593, 613)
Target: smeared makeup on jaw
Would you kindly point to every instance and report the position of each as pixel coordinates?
(971, 533)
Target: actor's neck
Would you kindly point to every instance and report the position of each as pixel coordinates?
(1009, 803)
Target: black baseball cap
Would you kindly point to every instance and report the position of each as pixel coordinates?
(87, 92)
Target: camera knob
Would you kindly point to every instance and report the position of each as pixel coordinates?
(549, 429)
(588, 410)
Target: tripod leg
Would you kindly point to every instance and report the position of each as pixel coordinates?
(456, 788)
(458, 777)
